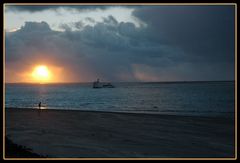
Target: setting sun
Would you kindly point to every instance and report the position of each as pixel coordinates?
(41, 73)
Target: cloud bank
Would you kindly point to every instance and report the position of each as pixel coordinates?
(178, 43)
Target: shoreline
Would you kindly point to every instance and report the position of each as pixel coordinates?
(84, 134)
(162, 113)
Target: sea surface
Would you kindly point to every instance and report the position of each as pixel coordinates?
(177, 98)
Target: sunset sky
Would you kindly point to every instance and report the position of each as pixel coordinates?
(119, 43)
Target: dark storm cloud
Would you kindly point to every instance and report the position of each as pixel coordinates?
(204, 32)
(179, 43)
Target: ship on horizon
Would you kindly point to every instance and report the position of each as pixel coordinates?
(98, 84)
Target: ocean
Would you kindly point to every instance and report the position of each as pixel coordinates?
(173, 98)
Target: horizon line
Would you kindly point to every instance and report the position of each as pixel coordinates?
(123, 82)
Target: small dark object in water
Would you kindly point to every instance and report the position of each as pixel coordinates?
(108, 85)
(97, 84)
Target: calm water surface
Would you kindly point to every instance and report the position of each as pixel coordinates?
(180, 98)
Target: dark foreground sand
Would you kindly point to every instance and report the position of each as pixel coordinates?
(59, 133)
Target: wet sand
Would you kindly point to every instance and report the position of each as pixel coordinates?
(68, 133)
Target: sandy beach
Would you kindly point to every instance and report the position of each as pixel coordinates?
(68, 133)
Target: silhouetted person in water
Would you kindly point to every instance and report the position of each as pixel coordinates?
(39, 105)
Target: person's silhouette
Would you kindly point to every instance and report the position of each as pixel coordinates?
(39, 105)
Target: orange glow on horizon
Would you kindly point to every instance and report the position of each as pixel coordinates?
(39, 73)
